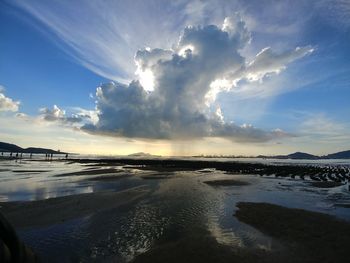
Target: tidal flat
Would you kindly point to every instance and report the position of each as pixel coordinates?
(168, 210)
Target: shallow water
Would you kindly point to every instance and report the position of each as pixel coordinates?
(40, 180)
(175, 207)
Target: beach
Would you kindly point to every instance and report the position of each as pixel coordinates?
(169, 210)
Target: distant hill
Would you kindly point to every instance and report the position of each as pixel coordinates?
(139, 154)
(307, 156)
(301, 155)
(142, 154)
(338, 155)
(8, 147)
(296, 155)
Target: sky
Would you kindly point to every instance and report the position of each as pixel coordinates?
(176, 77)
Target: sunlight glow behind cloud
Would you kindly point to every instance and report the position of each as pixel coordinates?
(179, 70)
(181, 85)
(178, 83)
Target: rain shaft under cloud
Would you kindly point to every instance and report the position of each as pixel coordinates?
(179, 100)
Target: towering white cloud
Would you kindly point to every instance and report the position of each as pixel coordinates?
(6, 103)
(176, 107)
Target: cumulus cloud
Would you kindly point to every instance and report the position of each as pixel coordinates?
(176, 106)
(174, 95)
(58, 115)
(6, 103)
(22, 115)
(130, 111)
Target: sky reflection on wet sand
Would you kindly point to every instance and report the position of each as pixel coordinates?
(172, 209)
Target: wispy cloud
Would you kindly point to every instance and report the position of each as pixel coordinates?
(337, 12)
(105, 35)
(322, 128)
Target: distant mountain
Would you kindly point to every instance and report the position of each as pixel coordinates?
(307, 156)
(296, 155)
(301, 155)
(8, 147)
(142, 154)
(338, 155)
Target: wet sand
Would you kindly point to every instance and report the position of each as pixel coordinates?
(310, 236)
(31, 171)
(226, 182)
(342, 205)
(305, 237)
(300, 233)
(326, 184)
(201, 247)
(57, 210)
(111, 177)
(91, 172)
(158, 176)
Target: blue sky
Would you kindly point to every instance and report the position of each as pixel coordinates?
(233, 77)
(32, 66)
